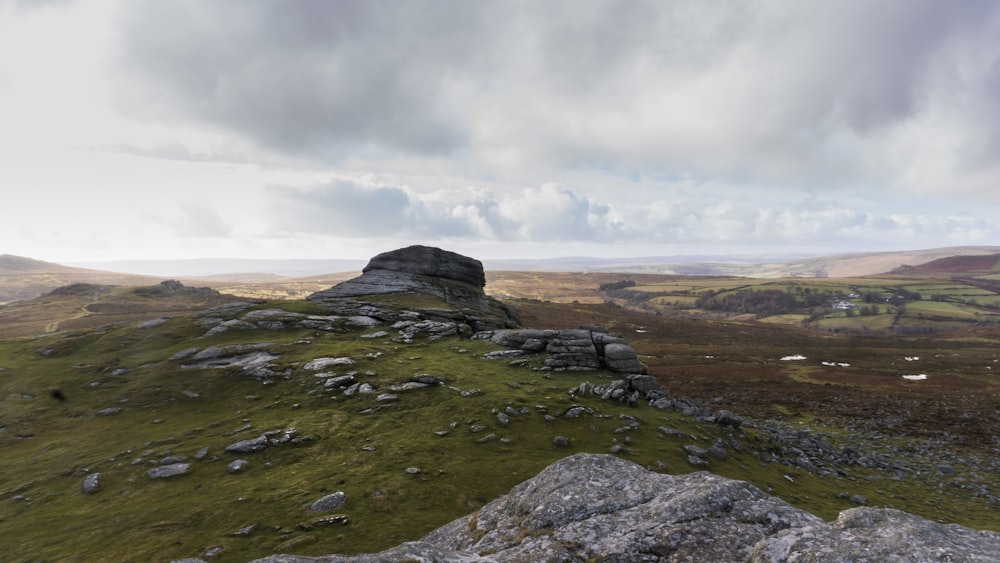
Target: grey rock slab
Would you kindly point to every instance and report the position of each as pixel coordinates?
(410, 551)
(247, 446)
(329, 502)
(323, 363)
(167, 471)
(600, 507)
(878, 534)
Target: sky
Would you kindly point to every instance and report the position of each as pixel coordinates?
(145, 129)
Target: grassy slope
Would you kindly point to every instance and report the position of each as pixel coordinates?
(362, 447)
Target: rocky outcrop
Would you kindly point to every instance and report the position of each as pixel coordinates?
(585, 348)
(430, 261)
(455, 280)
(590, 507)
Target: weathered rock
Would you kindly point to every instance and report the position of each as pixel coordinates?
(329, 502)
(430, 261)
(622, 358)
(236, 466)
(410, 551)
(323, 363)
(878, 534)
(91, 483)
(427, 379)
(171, 470)
(247, 446)
(602, 508)
(456, 280)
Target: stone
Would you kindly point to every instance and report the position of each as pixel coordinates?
(329, 502)
(91, 484)
(245, 531)
(878, 534)
(561, 442)
(167, 471)
(427, 379)
(237, 466)
(323, 363)
(247, 446)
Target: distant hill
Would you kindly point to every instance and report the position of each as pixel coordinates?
(88, 305)
(27, 278)
(229, 268)
(953, 266)
(832, 266)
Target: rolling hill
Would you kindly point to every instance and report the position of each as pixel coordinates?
(27, 278)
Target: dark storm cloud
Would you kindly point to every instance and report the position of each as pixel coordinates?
(300, 76)
(785, 93)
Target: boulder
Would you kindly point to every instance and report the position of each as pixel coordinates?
(329, 502)
(166, 471)
(91, 483)
(247, 446)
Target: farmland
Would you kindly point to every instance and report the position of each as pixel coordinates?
(855, 305)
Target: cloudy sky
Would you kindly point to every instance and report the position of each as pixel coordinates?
(324, 129)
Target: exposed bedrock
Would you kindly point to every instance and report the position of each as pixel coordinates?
(589, 507)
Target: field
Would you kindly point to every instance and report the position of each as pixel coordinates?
(858, 305)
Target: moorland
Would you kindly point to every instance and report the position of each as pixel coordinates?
(876, 388)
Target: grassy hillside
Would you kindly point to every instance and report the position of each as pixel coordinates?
(25, 278)
(80, 306)
(111, 400)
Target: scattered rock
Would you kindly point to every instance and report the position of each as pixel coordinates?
(237, 466)
(323, 363)
(561, 442)
(245, 531)
(171, 470)
(335, 520)
(329, 502)
(91, 483)
(247, 446)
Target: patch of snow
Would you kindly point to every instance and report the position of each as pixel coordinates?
(641, 331)
(796, 357)
(911, 358)
(836, 364)
(919, 377)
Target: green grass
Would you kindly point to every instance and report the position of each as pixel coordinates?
(361, 446)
